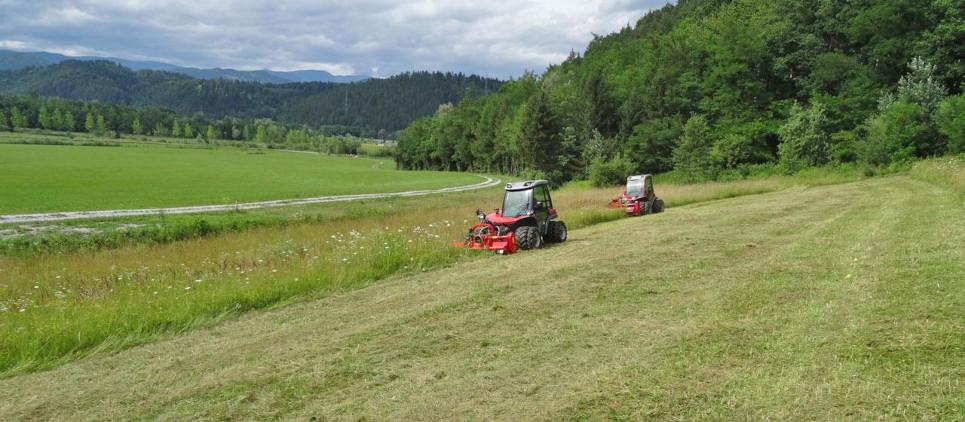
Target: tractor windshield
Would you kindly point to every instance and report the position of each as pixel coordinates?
(635, 188)
(517, 202)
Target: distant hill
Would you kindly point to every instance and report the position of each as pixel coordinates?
(16, 60)
(390, 103)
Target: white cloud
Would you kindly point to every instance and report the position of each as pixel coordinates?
(497, 38)
(13, 44)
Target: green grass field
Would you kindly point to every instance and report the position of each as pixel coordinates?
(815, 296)
(67, 295)
(809, 302)
(44, 178)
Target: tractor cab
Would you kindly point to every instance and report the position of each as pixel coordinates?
(638, 197)
(527, 219)
(526, 203)
(639, 187)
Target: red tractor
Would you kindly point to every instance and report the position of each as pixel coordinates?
(525, 221)
(638, 198)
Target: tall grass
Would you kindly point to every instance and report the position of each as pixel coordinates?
(675, 192)
(62, 307)
(946, 171)
(60, 240)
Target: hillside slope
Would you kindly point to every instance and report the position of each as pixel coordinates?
(713, 86)
(810, 303)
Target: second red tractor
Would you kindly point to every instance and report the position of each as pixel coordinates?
(638, 198)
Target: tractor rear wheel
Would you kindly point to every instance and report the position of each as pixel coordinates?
(658, 206)
(556, 232)
(527, 237)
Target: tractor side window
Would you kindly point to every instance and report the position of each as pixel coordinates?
(649, 187)
(542, 195)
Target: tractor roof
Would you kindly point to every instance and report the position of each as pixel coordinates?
(525, 185)
(638, 177)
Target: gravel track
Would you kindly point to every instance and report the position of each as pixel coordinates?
(76, 215)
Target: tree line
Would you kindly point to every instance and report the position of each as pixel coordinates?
(708, 87)
(363, 108)
(111, 120)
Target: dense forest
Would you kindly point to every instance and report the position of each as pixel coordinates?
(370, 106)
(35, 113)
(711, 87)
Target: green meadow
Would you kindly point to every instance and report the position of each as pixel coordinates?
(46, 178)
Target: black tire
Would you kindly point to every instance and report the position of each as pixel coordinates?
(527, 237)
(556, 232)
(658, 206)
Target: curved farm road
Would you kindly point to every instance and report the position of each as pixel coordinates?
(76, 215)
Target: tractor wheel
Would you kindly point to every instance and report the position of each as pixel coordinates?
(658, 206)
(527, 237)
(556, 232)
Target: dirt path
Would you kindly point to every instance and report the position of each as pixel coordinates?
(76, 215)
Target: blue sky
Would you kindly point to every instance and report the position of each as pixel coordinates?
(379, 37)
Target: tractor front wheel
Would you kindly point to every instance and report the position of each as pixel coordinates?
(527, 237)
(556, 232)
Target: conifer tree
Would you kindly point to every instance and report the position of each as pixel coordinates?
(17, 119)
(101, 125)
(69, 123)
(43, 118)
(89, 125)
(57, 120)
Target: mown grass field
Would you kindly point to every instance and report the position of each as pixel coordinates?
(44, 178)
(809, 302)
(58, 304)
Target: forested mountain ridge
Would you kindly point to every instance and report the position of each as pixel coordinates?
(374, 104)
(16, 60)
(710, 86)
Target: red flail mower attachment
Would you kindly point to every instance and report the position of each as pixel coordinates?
(630, 205)
(485, 236)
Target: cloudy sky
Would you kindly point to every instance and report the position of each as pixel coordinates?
(379, 37)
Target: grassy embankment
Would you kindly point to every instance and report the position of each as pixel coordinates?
(56, 307)
(832, 302)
